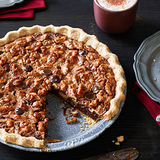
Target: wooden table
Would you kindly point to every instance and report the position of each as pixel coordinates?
(134, 123)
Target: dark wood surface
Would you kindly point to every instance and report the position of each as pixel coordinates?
(134, 123)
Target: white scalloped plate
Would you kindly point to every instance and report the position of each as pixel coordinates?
(9, 3)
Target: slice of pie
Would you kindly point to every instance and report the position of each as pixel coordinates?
(63, 60)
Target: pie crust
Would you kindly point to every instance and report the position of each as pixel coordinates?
(79, 35)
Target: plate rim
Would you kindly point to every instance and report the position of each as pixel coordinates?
(136, 63)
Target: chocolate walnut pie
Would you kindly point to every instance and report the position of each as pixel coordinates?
(36, 60)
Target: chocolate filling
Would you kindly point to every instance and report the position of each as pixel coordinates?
(69, 104)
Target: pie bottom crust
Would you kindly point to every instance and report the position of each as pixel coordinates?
(79, 35)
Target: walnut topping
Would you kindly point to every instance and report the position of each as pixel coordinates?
(71, 120)
(38, 63)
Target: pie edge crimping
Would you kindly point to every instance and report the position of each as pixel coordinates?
(80, 35)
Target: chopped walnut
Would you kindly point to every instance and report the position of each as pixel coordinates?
(32, 65)
(72, 120)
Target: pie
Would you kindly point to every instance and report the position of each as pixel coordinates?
(64, 60)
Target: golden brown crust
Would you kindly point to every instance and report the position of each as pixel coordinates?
(80, 35)
(18, 139)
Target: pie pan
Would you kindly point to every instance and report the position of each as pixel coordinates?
(70, 135)
(147, 66)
